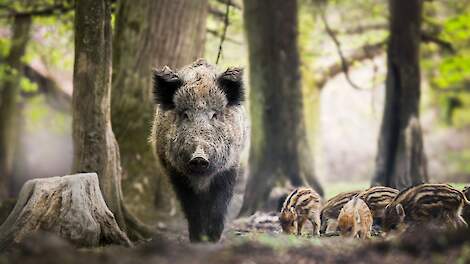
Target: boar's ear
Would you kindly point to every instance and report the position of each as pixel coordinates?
(165, 84)
(231, 82)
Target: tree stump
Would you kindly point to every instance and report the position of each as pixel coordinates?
(71, 206)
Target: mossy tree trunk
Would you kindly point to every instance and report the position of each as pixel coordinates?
(148, 34)
(9, 94)
(401, 161)
(279, 149)
(95, 148)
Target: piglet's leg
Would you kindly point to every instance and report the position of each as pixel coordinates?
(300, 223)
(316, 223)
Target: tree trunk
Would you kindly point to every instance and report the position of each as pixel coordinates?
(9, 94)
(401, 161)
(279, 149)
(95, 148)
(70, 206)
(149, 34)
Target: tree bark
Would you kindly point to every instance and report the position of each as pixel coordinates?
(70, 206)
(95, 148)
(9, 94)
(279, 149)
(149, 34)
(401, 161)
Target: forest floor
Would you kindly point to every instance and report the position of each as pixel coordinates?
(255, 239)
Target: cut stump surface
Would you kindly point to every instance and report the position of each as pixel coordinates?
(70, 206)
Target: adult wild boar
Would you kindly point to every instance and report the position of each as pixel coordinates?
(199, 131)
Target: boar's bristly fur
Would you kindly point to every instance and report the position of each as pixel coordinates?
(199, 131)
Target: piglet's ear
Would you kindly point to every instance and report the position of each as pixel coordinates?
(231, 83)
(357, 217)
(400, 211)
(165, 85)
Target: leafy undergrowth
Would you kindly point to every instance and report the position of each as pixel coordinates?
(255, 240)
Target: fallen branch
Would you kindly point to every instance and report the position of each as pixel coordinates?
(55, 95)
(220, 15)
(362, 29)
(366, 52)
(69, 206)
(430, 38)
(344, 63)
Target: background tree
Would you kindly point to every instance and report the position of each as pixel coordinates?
(279, 149)
(149, 34)
(401, 161)
(95, 148)
(9, 94)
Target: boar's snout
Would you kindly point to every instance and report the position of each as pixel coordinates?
(199, 162)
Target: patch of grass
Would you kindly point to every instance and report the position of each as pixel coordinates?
(280, 241)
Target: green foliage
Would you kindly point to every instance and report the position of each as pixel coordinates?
(40, 116)
(4, 47)
(27, 86)
(450, 72)
(455, 69)
(54, 42)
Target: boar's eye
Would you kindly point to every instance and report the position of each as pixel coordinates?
(214, 116)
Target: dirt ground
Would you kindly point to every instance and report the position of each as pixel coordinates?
(256, 239)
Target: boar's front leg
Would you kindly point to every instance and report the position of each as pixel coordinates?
(195, 224)
(215, 227)
(193, 209)
(192, 205)
(220, 194)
